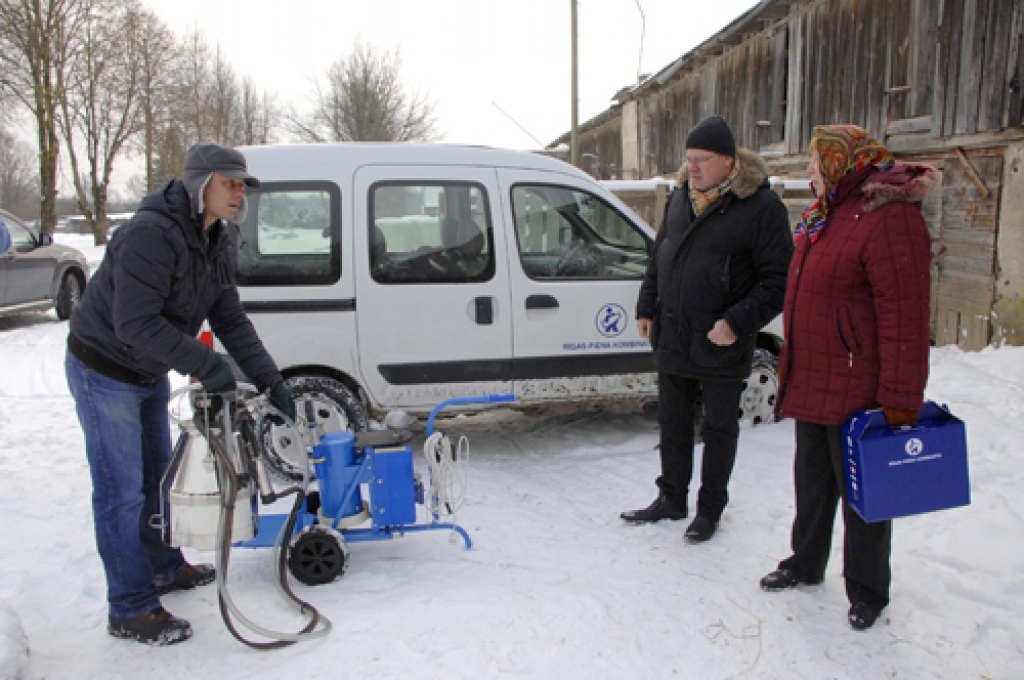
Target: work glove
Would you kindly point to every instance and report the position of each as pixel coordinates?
(220, 378)
(897, 417)
(282, 398)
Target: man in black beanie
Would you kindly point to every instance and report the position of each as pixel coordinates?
(717, 276)
(168, 269)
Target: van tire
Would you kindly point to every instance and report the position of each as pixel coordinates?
(337, 408)
(761, 389)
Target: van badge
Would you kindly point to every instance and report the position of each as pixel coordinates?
(611, 320)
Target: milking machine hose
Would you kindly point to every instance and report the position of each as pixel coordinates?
(229, 496)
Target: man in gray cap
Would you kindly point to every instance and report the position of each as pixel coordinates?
(718, 274)
(168, 269)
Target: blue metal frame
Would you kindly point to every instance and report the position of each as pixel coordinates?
(270, 525)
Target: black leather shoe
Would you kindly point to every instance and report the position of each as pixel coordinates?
(783, 579)
(661, 508)
(862, 616)
(701, 529)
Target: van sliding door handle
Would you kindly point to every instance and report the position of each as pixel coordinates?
(484, 310)
(541, 302)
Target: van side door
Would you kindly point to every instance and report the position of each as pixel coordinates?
(576, 260)
(432, 284)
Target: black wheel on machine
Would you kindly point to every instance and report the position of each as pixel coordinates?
(336, 407)
(318, 555)
(69, 295)
(761, 389)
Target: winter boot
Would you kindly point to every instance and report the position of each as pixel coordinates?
(156, 627)
(784, 579)
(701, 529)
(191, 576)
(661, 508)
(862, 616)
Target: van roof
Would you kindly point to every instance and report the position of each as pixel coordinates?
(355, 154)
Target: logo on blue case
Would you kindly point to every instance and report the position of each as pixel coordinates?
(611, 320)
(915, 446)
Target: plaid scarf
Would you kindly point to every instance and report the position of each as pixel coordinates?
(842, 150)
(702, 200)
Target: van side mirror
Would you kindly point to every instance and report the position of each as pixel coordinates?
(46, 239)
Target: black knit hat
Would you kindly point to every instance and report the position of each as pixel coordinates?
(712, 134)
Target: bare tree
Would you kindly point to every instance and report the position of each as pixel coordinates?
(365, 100)
(38, 41)
(100, 111)
(157, 53)
(19, 184)
(259, 115)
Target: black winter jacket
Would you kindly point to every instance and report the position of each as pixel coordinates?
(160, 277)
(731, 263)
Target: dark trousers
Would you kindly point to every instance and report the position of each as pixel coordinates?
(677, 411)
(820, 484)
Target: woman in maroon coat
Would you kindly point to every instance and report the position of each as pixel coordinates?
(857, 337)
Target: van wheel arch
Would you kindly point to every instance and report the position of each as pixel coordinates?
(337, 406)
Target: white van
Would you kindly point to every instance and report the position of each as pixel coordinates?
(394, 276)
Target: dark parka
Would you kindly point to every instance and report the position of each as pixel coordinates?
(160, 278)
(730, 263)
(857, 305)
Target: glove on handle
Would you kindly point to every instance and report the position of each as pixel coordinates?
(897, 417)
(220, 378)
(282, 398)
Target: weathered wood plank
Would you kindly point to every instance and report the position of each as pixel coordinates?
(952, 24)
(924, 27)
(1014, 112)
(971, 54)
(795, 65)
(905, 126)
(993, 83)
(777, 112)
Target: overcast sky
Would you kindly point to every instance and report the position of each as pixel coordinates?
(465, 54)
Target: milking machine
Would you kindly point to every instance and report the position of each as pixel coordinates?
(218, 477)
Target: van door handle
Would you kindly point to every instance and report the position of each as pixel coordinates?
(484, 310)
(541, 302)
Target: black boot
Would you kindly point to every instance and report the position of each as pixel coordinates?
(191, 576)
(156, 627)
(701, 529)
(661, 508)
(784, 579)
(862, 616)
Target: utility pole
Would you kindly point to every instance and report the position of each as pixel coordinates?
(574, 137)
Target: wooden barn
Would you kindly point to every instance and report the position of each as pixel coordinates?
(938, 81)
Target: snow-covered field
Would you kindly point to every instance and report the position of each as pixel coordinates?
(556, 586)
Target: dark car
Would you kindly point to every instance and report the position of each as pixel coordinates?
(36, 273)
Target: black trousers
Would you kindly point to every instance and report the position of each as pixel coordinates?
(820, 484)
(677, 411)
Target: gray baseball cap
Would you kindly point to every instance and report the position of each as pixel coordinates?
(203, 159)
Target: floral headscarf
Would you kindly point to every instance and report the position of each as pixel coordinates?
(841, 150)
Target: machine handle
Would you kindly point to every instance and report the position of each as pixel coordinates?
(484, 399)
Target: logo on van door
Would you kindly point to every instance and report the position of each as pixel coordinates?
(611, 320)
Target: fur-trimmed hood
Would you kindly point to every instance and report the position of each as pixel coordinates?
(753, 173)
(904, 182)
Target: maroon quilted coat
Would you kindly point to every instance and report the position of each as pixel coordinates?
(857, 301)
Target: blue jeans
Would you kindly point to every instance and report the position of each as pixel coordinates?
(128, 444)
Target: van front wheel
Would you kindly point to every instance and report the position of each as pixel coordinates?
(335, 406)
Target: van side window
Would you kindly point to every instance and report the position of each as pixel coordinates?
(430, 232)
(291, 235)
(566, 233)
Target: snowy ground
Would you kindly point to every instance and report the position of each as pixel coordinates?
(556, 586)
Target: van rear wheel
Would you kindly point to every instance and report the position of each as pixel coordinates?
(336, 407)
(761, 389)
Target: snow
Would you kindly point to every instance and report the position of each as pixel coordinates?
(556, 585)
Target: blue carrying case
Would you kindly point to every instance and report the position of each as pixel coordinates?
(895, 472)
